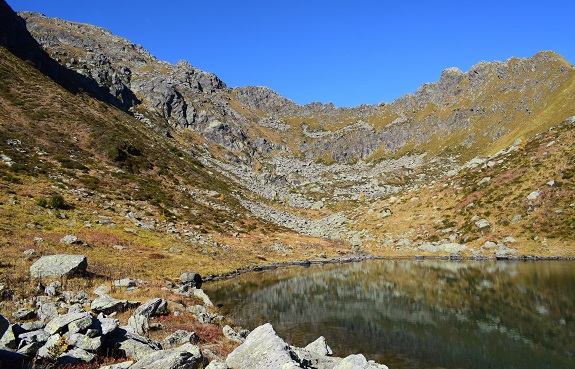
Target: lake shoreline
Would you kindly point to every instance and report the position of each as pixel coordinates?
(365, 257)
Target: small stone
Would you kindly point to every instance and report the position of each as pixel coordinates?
(533, 195)
(126, 282)
(101, 290)
(490, 245)
(232, 335)
(516, 218)
(69, 240)
(191, 278)
(482, 223)
(29, 252)
(107, 304)
(178, 338)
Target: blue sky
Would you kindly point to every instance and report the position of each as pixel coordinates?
(345, 52)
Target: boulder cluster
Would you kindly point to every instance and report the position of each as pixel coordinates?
(60, 327)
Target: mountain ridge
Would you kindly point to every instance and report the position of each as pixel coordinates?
(316, 169)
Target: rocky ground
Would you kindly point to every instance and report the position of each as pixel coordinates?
(59, 327)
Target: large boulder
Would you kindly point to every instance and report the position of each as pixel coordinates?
(60, 323)
(191, 278)
(186, 356)
(153, 307)
(263, 348)
(10, 338)
(57, 266)
(107, 304)
(130, 344)
(84, 342)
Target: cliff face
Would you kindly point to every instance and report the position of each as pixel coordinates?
(464, 112)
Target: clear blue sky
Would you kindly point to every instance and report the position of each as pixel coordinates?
(345, 52)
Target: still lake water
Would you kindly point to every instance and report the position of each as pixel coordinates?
(417, 314)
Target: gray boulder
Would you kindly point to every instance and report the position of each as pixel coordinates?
(126, 282)
(320, 347)
(76, 356)
(178, 338)
(39, 335)
(81, 324)
(69, 239)
(263, 348)
(33, 326)
(47, 311)
(192, 278)
(60, 323)
(107, 304)
(108, 325)
(482, 223)
(24, 314)
(139, 324)
(10, 337)
(216, 364)
(50, 347)
(231, 334)
(153, 307)
(130, 344)
(101, 290)
(84, 342)
(358, 362)
(57, 266)
(29, 349)
(186, 356)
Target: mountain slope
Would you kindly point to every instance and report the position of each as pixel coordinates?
(196, 164)
(72, 164)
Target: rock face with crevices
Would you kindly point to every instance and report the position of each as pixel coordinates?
(58, 266)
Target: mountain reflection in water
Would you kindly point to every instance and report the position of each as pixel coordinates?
(418, 314)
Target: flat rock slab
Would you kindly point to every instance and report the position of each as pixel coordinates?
(263, 348)
(186, 356)
(60, 323)
(358, 362)
(57, 266)
(107, 304)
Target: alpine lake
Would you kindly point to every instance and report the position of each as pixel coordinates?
(417, 313)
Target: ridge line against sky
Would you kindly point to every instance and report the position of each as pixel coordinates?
(348, 53)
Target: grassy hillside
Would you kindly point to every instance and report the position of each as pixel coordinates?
(141, 204)
(525, 192)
